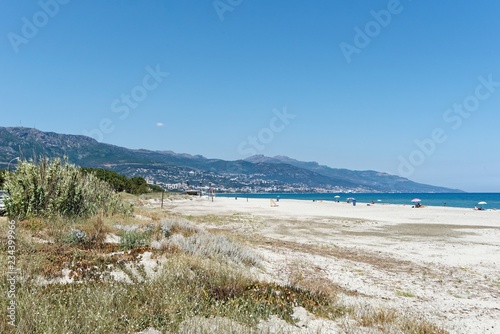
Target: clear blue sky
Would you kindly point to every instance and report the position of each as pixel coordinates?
(363, 80)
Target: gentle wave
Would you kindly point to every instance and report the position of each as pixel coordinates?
(460, 200)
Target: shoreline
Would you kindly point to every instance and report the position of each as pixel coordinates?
(329, 208)
(387, 198)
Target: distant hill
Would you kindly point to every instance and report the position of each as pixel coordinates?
(176, 171)
(383, 182)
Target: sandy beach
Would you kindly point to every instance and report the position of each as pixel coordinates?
(441, 264)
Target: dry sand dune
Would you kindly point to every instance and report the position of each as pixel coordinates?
(437, 263)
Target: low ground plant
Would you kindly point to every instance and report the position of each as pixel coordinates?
(205, 276)
(188, 286)
(134, 239)
(77, 237)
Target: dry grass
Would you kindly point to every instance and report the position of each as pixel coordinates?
(200, 282)
(314, 279)
(217, 247)
(407, 294)
(222, 220)
(188, 286)
(387, 320)
(203, 285)
(376, 260)
(196, 241)
(377, 318)
(153, 214)
(181, 226)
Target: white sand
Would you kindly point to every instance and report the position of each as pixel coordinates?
(439, 263)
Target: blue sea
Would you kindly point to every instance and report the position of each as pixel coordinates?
(459, 200)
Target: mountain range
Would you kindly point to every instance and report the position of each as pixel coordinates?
(175, 171)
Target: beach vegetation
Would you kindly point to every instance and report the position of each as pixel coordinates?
(388, 320)
(169, 274)
(204, 275)
(180, 226)
(187, 287)
(77, 237)
(48, 188)
(121, 183)
(407, 294)
(215, 247)
(134, 239)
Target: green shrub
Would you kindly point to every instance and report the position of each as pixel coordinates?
(57, 188)
(77, 237)
(136, 185)
(134, 239)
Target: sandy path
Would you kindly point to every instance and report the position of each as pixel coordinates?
(442, 264)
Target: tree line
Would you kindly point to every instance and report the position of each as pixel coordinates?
(120, 183)
(135, 185)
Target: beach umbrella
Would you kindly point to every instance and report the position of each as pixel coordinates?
(350, 198)
(416, 200)
(481, 204)
(336, 196)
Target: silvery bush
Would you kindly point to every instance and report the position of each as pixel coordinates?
(77, 237)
